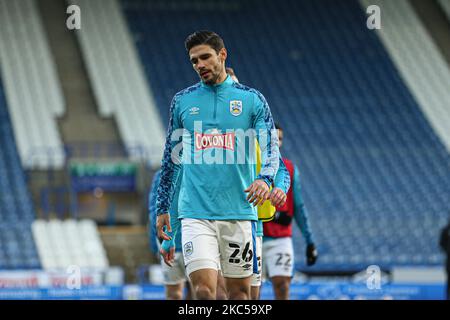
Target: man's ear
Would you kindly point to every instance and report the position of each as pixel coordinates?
(223, 54)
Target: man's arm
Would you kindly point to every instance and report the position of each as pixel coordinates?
(268, 141)
(168, 246)
(282, 178)
(300, 212)
(153, 236)
(169, 172)
(301, 218)
(282, 184)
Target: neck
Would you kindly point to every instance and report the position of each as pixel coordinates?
(221, 78)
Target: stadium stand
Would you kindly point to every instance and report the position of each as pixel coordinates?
(17, 249)
(117, 79)
(365, 114)
(375, 173)
(419, 62)
(445, 5)
(32, 89)
(64, 243)
(129, 248)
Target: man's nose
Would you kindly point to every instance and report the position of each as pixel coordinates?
(200, 65)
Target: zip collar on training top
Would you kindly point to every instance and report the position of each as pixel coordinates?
(228, 81)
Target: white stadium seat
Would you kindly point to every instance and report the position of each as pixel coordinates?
(33, 90)
(118, 79)
(61, 244)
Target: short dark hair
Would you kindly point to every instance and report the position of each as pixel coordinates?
(204, 37)
(277, 126)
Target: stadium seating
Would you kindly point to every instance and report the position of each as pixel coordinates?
(32, 88)
(374, 170)
(419, 62)
(64, 243)
(445, 5)
(117, 79)
(17, 248)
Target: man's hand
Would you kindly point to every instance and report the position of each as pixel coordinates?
(311, 254)
(169, 255)
(278, 197)
(162, 221)
(258, 192)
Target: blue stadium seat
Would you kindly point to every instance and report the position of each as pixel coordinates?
(16, 209)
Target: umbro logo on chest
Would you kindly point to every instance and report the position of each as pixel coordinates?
(194, 110)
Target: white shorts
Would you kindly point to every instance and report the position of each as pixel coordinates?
(218, 244)
(278, 256)
(256, 277)
(175, 274)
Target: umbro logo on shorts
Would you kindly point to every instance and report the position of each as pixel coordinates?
(247, 266)
(188, 248)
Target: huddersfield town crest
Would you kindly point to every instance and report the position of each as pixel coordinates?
(236, 107)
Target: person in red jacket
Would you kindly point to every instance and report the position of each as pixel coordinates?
(278, 251)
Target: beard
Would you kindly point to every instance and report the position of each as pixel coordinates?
(215, 74)
(213, 79)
